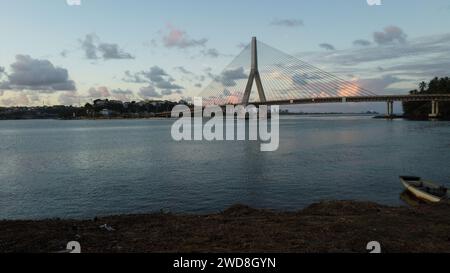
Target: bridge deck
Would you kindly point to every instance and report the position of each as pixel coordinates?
(384, 98)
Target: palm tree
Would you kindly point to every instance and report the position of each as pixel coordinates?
(422, 86)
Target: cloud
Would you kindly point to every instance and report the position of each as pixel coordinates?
(183, 70)
(230, 76)
(191, 75)
(121, 91)
(361, 42)
(226, 92)
(168, 85)
(176, 38)
(287, 22)
(89, 47)
(112, 51)
(20, 99)
(211, 52)
(303, 78)
(242, 45)
(159, 82)
(427, 49)
(168, 92)
(35, 74)
(156, 76)
(134, 77)
(378, 85)
(149, 92)
(99, 92)
(64, 53)
(389, 35)
(69, 98)
(327, 46)
(92, 47)
(122, 94)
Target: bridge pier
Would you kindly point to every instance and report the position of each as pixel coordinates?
(434, 109)
(390, 109)
(254, 76)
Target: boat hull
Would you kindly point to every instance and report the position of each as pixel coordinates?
(419, 193)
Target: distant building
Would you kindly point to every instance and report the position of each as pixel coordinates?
(105, 112)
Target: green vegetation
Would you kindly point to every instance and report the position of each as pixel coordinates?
(420, 110)
(98, 109)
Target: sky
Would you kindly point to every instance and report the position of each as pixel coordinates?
(55, 53)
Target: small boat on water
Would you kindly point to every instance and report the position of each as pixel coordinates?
(425, 190)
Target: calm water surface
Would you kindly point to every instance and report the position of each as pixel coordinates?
(81, 169)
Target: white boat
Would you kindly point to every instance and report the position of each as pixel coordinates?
(425, 190)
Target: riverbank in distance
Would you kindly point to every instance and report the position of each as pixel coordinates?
(334, 226)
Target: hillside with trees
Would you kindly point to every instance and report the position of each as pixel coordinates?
(421, 110)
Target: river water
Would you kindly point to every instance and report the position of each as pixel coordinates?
(87, 168)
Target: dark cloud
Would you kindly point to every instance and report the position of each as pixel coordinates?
(2, 71)
(92, 46)
(390, 34)
(176, 38)
(327, 46)
(230, 76)
(89, 47)
(149, 92)
(287, 22)
(168, 85)
(112, 51)
(35, 74)
(121, 91)
(155, 74)
(160, 78)
(168, 92)
(134, 77)
(361, 42)
(157, 78)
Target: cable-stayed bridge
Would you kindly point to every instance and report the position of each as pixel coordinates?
(281, 79)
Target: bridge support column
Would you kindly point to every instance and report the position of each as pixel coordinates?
(254, 76)
(434, 109)
(390, 109)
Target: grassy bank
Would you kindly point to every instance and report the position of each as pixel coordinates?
(340, 226)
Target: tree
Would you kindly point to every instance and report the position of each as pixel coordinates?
(420, 110)
(422, 86)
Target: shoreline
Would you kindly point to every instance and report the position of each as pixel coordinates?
(331, 226)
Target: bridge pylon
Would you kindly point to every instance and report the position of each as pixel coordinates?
(254, 76)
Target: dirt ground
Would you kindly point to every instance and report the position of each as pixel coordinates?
(338, 226)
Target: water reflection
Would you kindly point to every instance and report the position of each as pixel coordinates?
(410, 199)
(88, 168)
